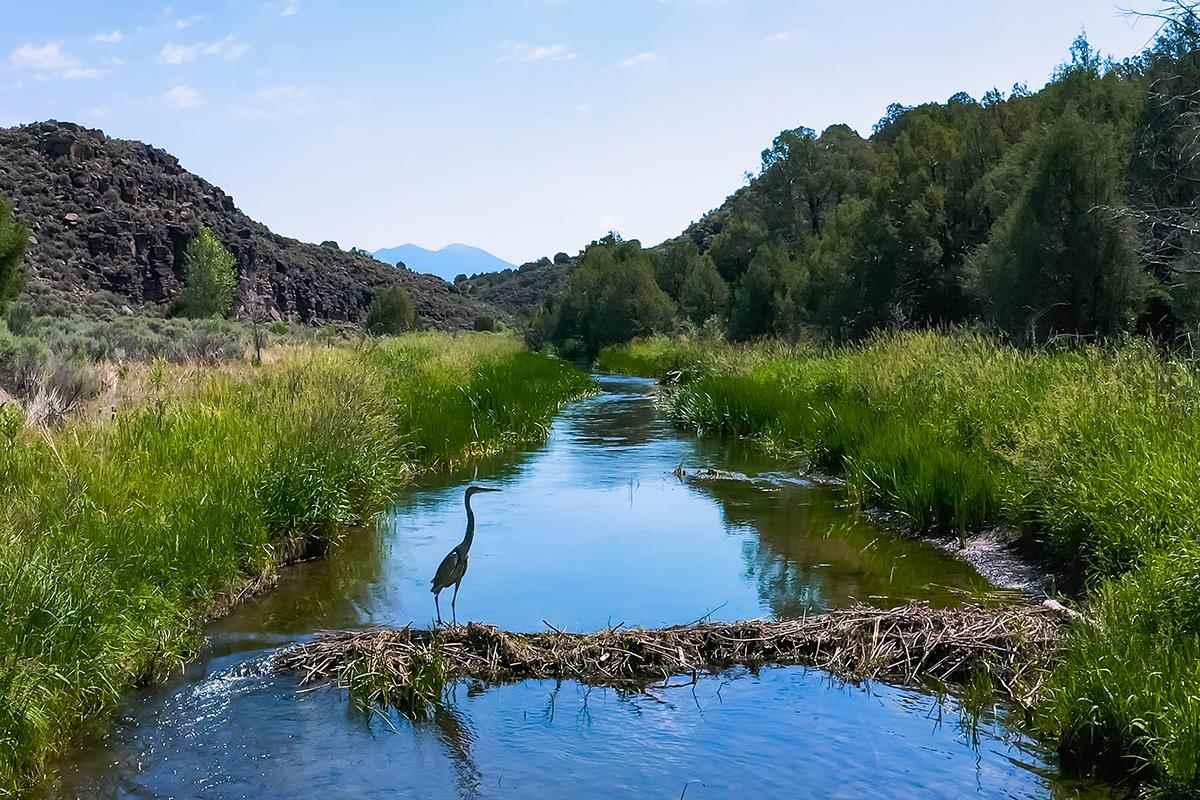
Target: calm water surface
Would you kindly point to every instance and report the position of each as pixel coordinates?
(592, 529)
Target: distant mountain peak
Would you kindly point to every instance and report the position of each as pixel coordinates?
(451, 260)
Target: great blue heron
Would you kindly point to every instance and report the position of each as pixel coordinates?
(454, 565)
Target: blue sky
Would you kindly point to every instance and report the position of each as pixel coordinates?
(524, 127)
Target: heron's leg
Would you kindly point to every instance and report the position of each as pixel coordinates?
(438, 607)
(453, 611)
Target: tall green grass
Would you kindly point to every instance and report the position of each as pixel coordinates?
(1095, 449)
(116, 538)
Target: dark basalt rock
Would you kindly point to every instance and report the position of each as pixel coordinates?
(111, 220)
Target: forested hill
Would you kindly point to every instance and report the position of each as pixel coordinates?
(1070, 210)
(110, 220)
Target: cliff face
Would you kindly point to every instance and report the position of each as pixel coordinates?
(111, 220)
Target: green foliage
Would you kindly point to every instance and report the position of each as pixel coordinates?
(1124, 696)
(610, 297)
(19, 317)
(391, 312)
(14, 238)
(733, 248)
(116, 538)
(672, 267)
(770, 297)
(23, 360)
(703, 295)
(125, 338)
(1056, 262)
(211, 284)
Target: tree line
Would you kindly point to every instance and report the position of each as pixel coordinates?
(1071, 210)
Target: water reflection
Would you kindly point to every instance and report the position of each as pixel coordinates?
(591, 529)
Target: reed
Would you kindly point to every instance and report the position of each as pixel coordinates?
(118, 537)
(1094, 450)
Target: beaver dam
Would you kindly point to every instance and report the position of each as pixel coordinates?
(912, 644)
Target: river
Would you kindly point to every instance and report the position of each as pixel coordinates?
(591, 529)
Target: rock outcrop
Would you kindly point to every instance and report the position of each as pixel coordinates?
(111, 220)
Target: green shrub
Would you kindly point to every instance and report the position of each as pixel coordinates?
(19, 317)
(391, 312)
(23, 359)
(14, 238)
(211, 284)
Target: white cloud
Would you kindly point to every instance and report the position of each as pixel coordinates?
(290, 9)
(186, 22)
(545, 52)
(584, 108)
(781, 36)
(275, 102)
(640, 58)
(50, 60)
(172, 53)
(228, 48)
(183, 97)
(283, 94)
(113, 37)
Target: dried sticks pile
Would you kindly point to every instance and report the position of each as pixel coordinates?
(912, 644)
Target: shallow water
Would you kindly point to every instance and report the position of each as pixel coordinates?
(591, 529)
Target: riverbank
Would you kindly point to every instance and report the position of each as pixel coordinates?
(1091, 451)
(118, 536)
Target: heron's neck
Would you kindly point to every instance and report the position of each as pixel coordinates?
(470, 534)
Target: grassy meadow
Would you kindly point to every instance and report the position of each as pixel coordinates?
(120, 533)
(1093, 451)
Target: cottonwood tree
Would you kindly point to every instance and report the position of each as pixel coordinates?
(14, 239)
(210, 287)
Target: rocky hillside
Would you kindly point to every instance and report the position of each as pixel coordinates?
(520, 291)
(111, 220)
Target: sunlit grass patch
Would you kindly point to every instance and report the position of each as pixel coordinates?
(117, 535)
(1097, 449)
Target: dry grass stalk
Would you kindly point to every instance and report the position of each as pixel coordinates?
(912, 644)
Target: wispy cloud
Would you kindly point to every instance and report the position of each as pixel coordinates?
(183, 23)
(228, 48)
(290, 8)
(183, 97)
(780, 36)
(640, 58)
(543, 52)
(173, 53)
(283, 94)
(275, 102)
(50, 60)
(112, 37)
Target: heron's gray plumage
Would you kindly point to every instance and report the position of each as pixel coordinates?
(454, 566)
